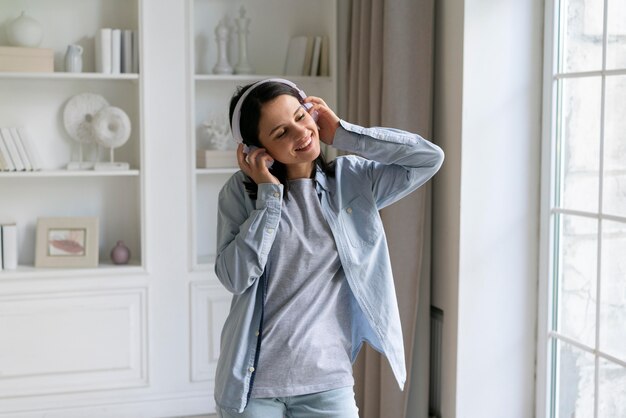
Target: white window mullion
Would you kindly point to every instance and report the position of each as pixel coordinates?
(600, 210)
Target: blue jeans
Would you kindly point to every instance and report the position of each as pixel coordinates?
(336, 403)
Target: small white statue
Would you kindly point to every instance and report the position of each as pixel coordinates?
(221, 37)
(216, 134)
(243, 22)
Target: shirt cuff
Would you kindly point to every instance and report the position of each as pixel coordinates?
(269, 195)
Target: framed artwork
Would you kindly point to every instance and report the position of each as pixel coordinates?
(67, 242)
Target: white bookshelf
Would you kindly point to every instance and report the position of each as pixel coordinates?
(35, 102)
(210, 93)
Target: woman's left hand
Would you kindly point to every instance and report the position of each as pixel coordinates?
(327, 120)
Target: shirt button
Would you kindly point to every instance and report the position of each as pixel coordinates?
(349, 210)
(276, 194)
(251, 369)
(270, 230)
(256, 333)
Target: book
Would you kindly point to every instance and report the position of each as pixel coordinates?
(296, 53)
(315, 56)
(127, 51)
(325, 57)
(306, 68)
(10, 145)
(103, 50)
(3, 164)
(6, 157)
(135, 52)
(20, 149)
(31, 150)
(116, 51)
(9, 246)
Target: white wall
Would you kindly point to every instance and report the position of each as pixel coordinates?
(486, 205)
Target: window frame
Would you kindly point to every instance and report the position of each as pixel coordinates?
(545, 394)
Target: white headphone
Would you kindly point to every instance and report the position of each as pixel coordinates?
(234, 123)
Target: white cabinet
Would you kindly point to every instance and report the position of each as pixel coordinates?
(35, 102)
(272, 24)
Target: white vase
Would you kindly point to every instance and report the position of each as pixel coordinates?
(74, 59)
(24, 31)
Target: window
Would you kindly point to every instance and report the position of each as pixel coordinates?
(582, 332)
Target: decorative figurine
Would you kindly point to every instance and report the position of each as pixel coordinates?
(78, 115)
(120, 254)
(221, 37)
(243, 67)
(111, 128)
(216, 134)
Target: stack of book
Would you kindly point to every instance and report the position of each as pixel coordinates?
(17, 152)
(308, 55)
(8, 247)
(117, 51)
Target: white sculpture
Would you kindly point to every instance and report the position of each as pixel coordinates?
(221, 37)
(111, 127)
(243, 22)
(89, 119)
(78, 114)
(216, 134)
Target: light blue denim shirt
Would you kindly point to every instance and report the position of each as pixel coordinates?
(390, 165)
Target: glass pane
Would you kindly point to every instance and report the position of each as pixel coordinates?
(616, 29)
(580, 143)
(580, 33)
(575, 387)
(614, 188)
(612, 390)
(578, 246)
(613, 297)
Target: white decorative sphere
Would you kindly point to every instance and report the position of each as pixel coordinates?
(24, 31)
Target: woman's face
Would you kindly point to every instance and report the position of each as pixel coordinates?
(288, 132)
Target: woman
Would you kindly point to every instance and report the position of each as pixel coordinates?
(302, 248)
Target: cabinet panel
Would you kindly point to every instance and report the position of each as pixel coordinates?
(209, 308)
(54, 343)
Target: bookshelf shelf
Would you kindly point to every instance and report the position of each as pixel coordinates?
(59, 76)
(67, 173)
(31, 272)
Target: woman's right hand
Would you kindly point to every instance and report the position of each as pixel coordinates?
(254, 165)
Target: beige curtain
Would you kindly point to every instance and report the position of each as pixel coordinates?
(386, 79)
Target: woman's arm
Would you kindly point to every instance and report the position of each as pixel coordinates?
(399, 163)
(245, 232)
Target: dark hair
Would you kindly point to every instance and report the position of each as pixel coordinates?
(249, 128)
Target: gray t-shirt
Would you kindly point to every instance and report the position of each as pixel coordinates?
(305, 345)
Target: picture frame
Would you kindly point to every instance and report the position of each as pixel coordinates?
(67, 242)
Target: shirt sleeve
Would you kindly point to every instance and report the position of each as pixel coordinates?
(245, 232)
(397, 162)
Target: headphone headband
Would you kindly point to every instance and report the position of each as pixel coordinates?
(235, 122)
